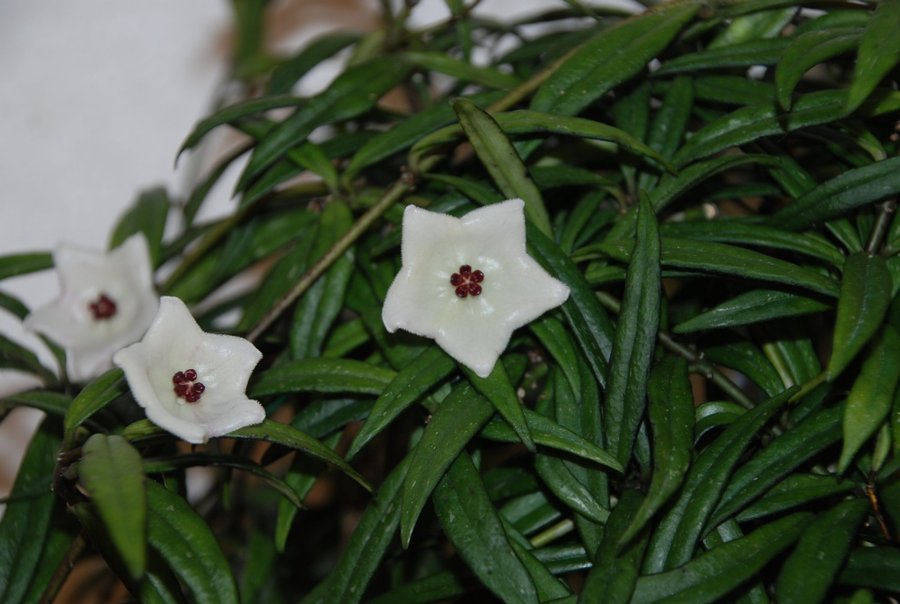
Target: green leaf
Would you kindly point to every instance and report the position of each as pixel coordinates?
(48, 401)
(728, 260)
(406, 388)
(795, 491)
(288, 436)
(473, 527)
(879, 52)
(584, 314)
(810, 569)
(751, 307)
(323, 375)
(346, 583)
(501, 160)
(188, 546)
(872, 393)
(322, 302)
(807, 50)
(147, 216)
(94, 397)
(461, 70)
(635, 341)
(22, 264)
(850, 189)
(875, 567)
(611, 57)
(613, 576)
(352, 93)
(729, 231)
(25, 524)
(745, 357)
(745, 54)
(562, 482)
(111, 473)
(277, 283)
(455, 422)
(497, 388)
(15, 356)
(675, 538)
(864, 300)
(671, 412)
(784, 454)
(292, 69)
(712, 575)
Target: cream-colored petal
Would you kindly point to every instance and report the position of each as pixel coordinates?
(496, 229)
(229, 415)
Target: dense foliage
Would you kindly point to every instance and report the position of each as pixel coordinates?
(713, 415)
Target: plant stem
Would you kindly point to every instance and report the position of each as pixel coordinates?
(548, 535)
(882, 224)
(58, 579)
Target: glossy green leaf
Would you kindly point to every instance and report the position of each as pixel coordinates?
(729, 231)
(346, 583)
(501, 160)
(25, 524)
(461, 70)
(188, 546)
(94, 397)
(875, 567)
(22, 264)
(15, 356)
(879, 52)
(288, 436)
(584, 314)
(784, 454)
(613, 576)
(719, 258)
(745, 357)
(355, 91)
(288, 72)
(611, 57)
(808, 50)
(865, 296)
(54, 403)
(795, 491)
(148, 216)
(111, 473)
(850, 189)
(560, 480)
(712, 575)
(671, 412)
(752, 307)
(870, 398)
(676, 536)
(276, 284)
(323, 375)
(497, 389)
(472, 525)
(455, 422)
(745, 54)
(808, 572)
(635, 341)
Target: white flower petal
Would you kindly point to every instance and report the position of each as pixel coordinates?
(175, 343)
(124, 276)
(474, 330)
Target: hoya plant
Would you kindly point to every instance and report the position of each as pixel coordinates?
(599, 306)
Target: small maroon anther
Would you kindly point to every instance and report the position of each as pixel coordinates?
(103, 308)
(466, 281)
(187, 386)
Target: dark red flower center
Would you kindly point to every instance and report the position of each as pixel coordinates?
(466, 281)
(187, 386)
(103, 308)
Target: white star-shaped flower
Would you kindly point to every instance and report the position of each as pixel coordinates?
(468, 282)
(106, 302)
(191, 383)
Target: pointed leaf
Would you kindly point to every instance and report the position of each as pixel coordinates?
(879, 52)
(323, 375)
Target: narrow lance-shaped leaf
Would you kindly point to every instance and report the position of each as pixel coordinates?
(635, 338)
(810, 569)
(471, 523)
(456, 421)
(807, 50)
(497, 388)
(675, 538)
(94, 397)
(22, 264)
(672, 426)
(26, 519)
(611, 57)
(752, 307)
(148, 216)
(865, 296)
(188, 546)
(710, 576)
(872, 393)
(879, 52)
(112, 473)
(501, 160)
(323, 375)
